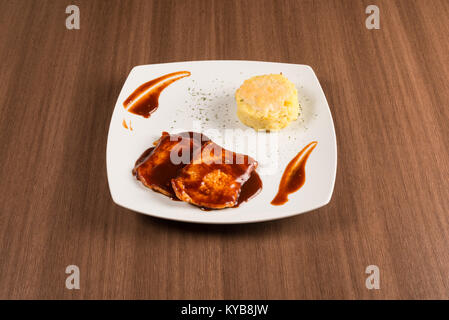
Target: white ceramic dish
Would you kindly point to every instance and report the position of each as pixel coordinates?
(204, 102)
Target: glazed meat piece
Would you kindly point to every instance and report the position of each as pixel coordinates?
(158, 165)
(214, 178)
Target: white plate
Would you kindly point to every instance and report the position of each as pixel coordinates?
(205, 102)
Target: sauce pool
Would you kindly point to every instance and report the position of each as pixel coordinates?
(250, 188)
(294, 175)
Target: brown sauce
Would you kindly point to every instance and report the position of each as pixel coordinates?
(145, 99)
(143, 157)
(250, 188)
(162, 170)
(294, 175)
(124, 124)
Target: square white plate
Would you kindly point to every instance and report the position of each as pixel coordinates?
(204, 102)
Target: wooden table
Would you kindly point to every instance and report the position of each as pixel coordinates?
(388, 91)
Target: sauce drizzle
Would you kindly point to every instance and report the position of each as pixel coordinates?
(145, 99)
(294, 175)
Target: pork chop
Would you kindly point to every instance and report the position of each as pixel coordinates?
(157, 166)
(214, 178)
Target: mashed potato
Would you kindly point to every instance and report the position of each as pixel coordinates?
(267, 102)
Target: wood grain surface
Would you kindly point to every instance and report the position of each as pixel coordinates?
(388, 91)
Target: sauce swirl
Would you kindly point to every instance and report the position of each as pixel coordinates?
(145, 99)
(294, 175)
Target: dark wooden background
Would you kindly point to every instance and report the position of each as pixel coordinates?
(388, 90)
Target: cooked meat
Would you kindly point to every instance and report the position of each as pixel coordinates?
(157, 166)
(214, 178)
